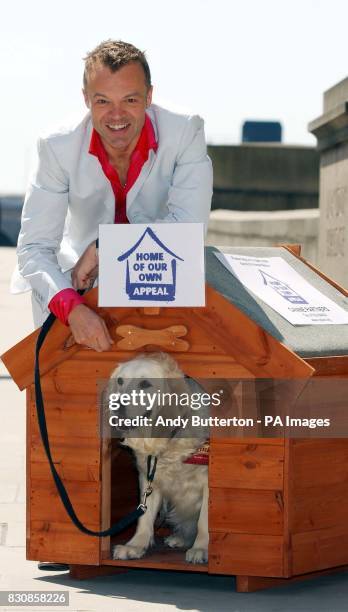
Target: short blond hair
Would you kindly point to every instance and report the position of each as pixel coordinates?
(114, 54)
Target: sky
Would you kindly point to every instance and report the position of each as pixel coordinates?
(227, 60)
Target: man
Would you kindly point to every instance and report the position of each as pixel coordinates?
(128, 161)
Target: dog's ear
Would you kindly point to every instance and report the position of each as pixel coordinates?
(104, 395)
(115, 371)
(183, 388)
(168, 365)
(177, 385)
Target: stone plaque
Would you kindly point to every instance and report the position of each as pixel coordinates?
(331, 131)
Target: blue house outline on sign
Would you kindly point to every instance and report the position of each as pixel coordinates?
(148, 290)
(284, 290)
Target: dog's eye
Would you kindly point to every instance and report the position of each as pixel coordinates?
(144, 384)
(120, 381)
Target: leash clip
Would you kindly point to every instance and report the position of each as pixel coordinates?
(142, 506)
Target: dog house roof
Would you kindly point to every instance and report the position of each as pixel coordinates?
(151, 233)
(304, 340)
(256, 336)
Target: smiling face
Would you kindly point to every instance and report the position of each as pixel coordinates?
(118, 101)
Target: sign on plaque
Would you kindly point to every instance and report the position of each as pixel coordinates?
(161, 264)
(275, 282)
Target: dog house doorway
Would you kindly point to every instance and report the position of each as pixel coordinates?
(120, 495)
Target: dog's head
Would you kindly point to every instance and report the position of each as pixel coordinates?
(146, 367)
(153, 381)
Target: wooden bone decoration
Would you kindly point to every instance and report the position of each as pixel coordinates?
(136, 337)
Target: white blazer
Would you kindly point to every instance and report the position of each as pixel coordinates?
(69, 196)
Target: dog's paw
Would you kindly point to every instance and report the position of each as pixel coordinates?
(125, 551)
(197, 555)
(174, 541)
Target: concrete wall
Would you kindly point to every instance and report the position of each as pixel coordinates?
(226, 227)
(234, 228)
(265, 177)
(331, 130)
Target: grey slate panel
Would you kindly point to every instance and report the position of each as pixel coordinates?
(305, 340)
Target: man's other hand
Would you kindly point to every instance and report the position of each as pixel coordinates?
(86, 270)
(89, 329)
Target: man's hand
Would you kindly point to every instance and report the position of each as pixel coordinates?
(86, 270)
(89, 329)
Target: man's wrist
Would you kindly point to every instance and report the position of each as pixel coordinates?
(74, 307)
(63, 303)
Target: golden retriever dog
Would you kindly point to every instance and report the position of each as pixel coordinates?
(180, 490)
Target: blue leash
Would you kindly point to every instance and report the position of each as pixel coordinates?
(63, 494)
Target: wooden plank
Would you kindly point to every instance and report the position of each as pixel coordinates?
(320, 507)
(246, 511)
(295, 249)
(73, 378)
(65, 528)
(67, 403)
(120, 356)
(66, 450)
(255, 349)
(250, 440)
(68, 419)
(69, 472)
(105, 492)
(162, 559)
(329, 366)
(51, 534)
(22, 369)
(318, 481)
(78, 462)
(211, 367)
(63, 543)
(86, 572)
(323, 397)
(321, 549)
(80, 382)
(321, 274)
(198, 365)
(47, 506)
(250, 584)
(238, 400)
(47, 539)
(151, 310)
(19, 360)
(319, 462)
(199, 340)
(254, 555)
(246, 466)
(288, 508)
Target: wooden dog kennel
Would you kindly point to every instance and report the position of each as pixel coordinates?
(277, 508)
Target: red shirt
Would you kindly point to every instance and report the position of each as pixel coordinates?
(146, 142)
(64, 301)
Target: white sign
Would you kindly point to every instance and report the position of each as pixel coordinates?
(275, 282)
(161, 264)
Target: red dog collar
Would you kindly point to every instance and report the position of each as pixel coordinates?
(201, 456)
